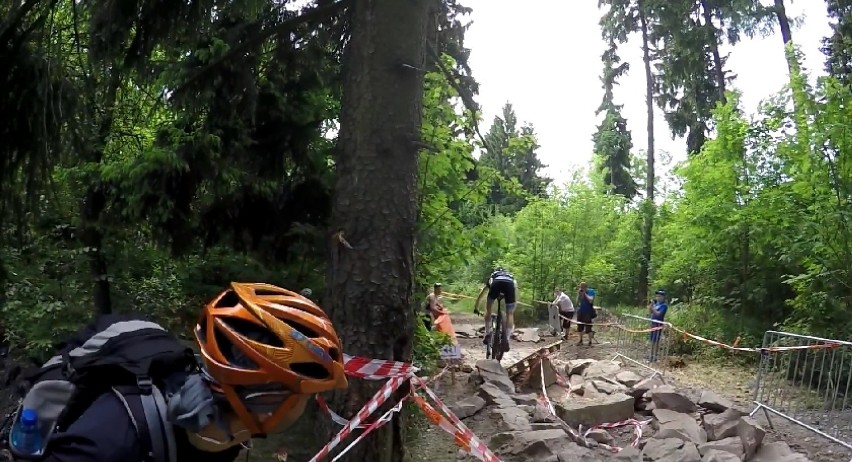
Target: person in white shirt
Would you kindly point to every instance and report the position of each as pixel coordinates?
(565, 308)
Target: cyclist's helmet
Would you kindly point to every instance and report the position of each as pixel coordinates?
(268, 349)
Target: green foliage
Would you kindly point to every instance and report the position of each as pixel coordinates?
(613, 140)
(837, 48)
(427, 347)
(511, 152)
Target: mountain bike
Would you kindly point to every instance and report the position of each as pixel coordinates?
(494, 348)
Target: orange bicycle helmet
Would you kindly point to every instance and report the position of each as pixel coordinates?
(261, 340)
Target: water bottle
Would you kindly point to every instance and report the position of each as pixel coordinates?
(26, 437)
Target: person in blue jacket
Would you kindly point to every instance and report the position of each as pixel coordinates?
(657, 309)
(585, 312)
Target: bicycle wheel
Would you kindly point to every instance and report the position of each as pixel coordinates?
(499, 334)
(488, 351)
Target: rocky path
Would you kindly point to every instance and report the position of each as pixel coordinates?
(680, 423)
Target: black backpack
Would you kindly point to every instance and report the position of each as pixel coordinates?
(126, 356)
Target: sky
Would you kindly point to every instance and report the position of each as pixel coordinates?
(544, 58)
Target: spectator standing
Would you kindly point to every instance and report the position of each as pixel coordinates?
(585, 312)
(565, 310)
(657, 309)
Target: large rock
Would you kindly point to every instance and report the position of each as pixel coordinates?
(578, 384)
(715, 455)
(732, 445)
(671, 424)
(602, 370)
(493, 394)
(466, 331)
(722, 425)
(537, 445)
(536, 374)
(591, 412)
(777, 452)
(546, 445)
(599, 435)
(714, 402)
(542, 413)
(751, 435)
(670, 450)
(646, 385)
(628, 378)
(467, 407)
(629, 454)
(510, 419)
(526, 399)
(666, 397)
(492, 372)
(606, 387)
(578, 366)
(576, 453)
(527, 335)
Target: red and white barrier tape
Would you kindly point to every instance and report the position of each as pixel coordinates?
(463, 436)
(377, 400)
(544, 388)
(376, 369)
(637, 431)
(339, 420)
(385, 418)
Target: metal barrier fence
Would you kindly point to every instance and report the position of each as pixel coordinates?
(809, 387)
(636, 345)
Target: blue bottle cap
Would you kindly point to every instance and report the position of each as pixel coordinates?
(29, 416)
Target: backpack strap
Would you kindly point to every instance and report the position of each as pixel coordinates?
(146, 407)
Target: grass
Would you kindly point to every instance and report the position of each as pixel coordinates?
(459, 305)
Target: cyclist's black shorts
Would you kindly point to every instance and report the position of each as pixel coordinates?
(505, 287)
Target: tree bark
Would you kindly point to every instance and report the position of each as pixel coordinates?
(94, 200)
(783, 22)
(786, 34)
(374, 214)
(648, 224)
(713, 41)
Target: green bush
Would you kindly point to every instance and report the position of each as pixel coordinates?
(427, 347)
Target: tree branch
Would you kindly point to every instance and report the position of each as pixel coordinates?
(318, 13)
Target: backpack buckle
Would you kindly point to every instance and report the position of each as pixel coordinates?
(145, 384)
(68, 370)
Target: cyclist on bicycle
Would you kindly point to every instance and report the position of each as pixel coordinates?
(500, 283)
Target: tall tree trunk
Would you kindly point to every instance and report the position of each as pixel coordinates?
(648, 224)
(374, 214)
(786, 34)
(94, 200)
(713, 42)
(783, 21)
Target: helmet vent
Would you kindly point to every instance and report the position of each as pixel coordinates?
(260, 292)
(310, 370)
(232, 354)
(306, 331)
(228, 300)
(250, 331)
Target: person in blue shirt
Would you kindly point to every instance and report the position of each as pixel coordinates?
(657, 309)
(586, 312)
